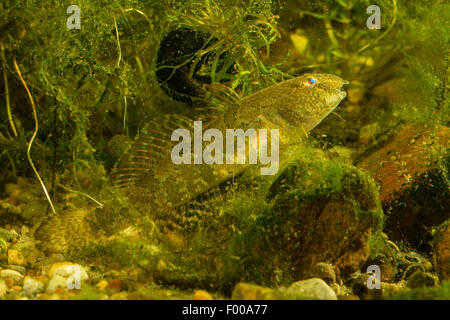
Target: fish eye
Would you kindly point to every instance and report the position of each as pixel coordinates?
(311, 82)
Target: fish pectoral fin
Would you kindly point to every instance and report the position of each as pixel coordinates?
(219, 99)
(152, 146)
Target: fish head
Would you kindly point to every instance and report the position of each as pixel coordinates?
(314, 96)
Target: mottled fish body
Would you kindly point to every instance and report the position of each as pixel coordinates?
(294, 107)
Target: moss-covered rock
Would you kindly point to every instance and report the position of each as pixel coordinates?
(441, 246)
(318, 211)
(412, 172)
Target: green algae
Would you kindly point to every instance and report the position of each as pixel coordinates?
(429, 293)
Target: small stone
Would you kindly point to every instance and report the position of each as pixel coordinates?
(20, 269)
(66, 269)
(32, 286)
(3, 250)
(421, 279)
(115, 284)
(248, 291)
(102, 284)
(202, 295)
(441, 245)
(15, 258)
(3, 288)
(55, 283)
(314, 288)
(9, 282)
(11, 274)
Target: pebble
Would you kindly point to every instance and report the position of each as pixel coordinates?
(11, 274)
(102, 284)
(32, 286)
(66, 269)
(19, 269)
(64, 273)
(3, 288)
(202, 295)
(15, 258)
(55, 283)
(314, 288)
(3, 249)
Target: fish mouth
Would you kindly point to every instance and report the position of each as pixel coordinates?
(340, 90)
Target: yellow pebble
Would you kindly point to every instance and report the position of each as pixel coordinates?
(15, 258)
(102, 284)
(202, 295)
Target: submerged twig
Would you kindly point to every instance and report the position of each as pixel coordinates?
(8, 104)
(36, 127)
(118, 43)
(83, 194)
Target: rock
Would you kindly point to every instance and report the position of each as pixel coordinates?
(441, 248)
(15, 276)
(32, 286)
(3, 250)
(66, 275)
(321, 210)
(26, 249)
(66, 269)
(247, 291)
(6, 235)
(323, 271)
(116, 285)
(55, 283)
(15, 258)
(302, 290)
(202, 295)
(314, 288)
(20, 269)
(3, 288)
(410, 170)
(358, 284)
(102, 284)
(421, 279)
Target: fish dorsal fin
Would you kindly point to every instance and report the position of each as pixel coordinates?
(151, 146)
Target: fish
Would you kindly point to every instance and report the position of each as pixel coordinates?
(294, 107)
(147, 175)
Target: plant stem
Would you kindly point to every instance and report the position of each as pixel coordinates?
(36, 127)
(8, 104)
